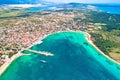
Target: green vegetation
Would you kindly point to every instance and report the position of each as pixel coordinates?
(7, 48)
(8, 13)
(106, 45)
(11, 54)
(108, 42)
(100, 24)
(112, 21)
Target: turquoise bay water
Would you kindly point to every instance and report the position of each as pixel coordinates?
(74, 59)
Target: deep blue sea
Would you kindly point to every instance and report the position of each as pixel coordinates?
(74, 59)
(109, 8)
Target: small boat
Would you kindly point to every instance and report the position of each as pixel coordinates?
(43, 61)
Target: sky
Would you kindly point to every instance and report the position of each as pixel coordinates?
(86, 1)
(58, 1)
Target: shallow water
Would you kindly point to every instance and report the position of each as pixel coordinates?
(74, 59)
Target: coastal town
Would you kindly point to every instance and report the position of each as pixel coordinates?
(21, 32)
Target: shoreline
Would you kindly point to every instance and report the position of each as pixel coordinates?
(88, 38)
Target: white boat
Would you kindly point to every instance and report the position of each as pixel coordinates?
(43, 61)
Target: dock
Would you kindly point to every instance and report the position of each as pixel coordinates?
(40, 52)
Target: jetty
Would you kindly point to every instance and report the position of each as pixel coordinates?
(40, 52)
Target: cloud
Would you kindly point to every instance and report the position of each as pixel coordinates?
(24, 5)
(91, 7)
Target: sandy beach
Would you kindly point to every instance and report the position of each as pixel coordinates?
(9, 61)
(88, 38)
